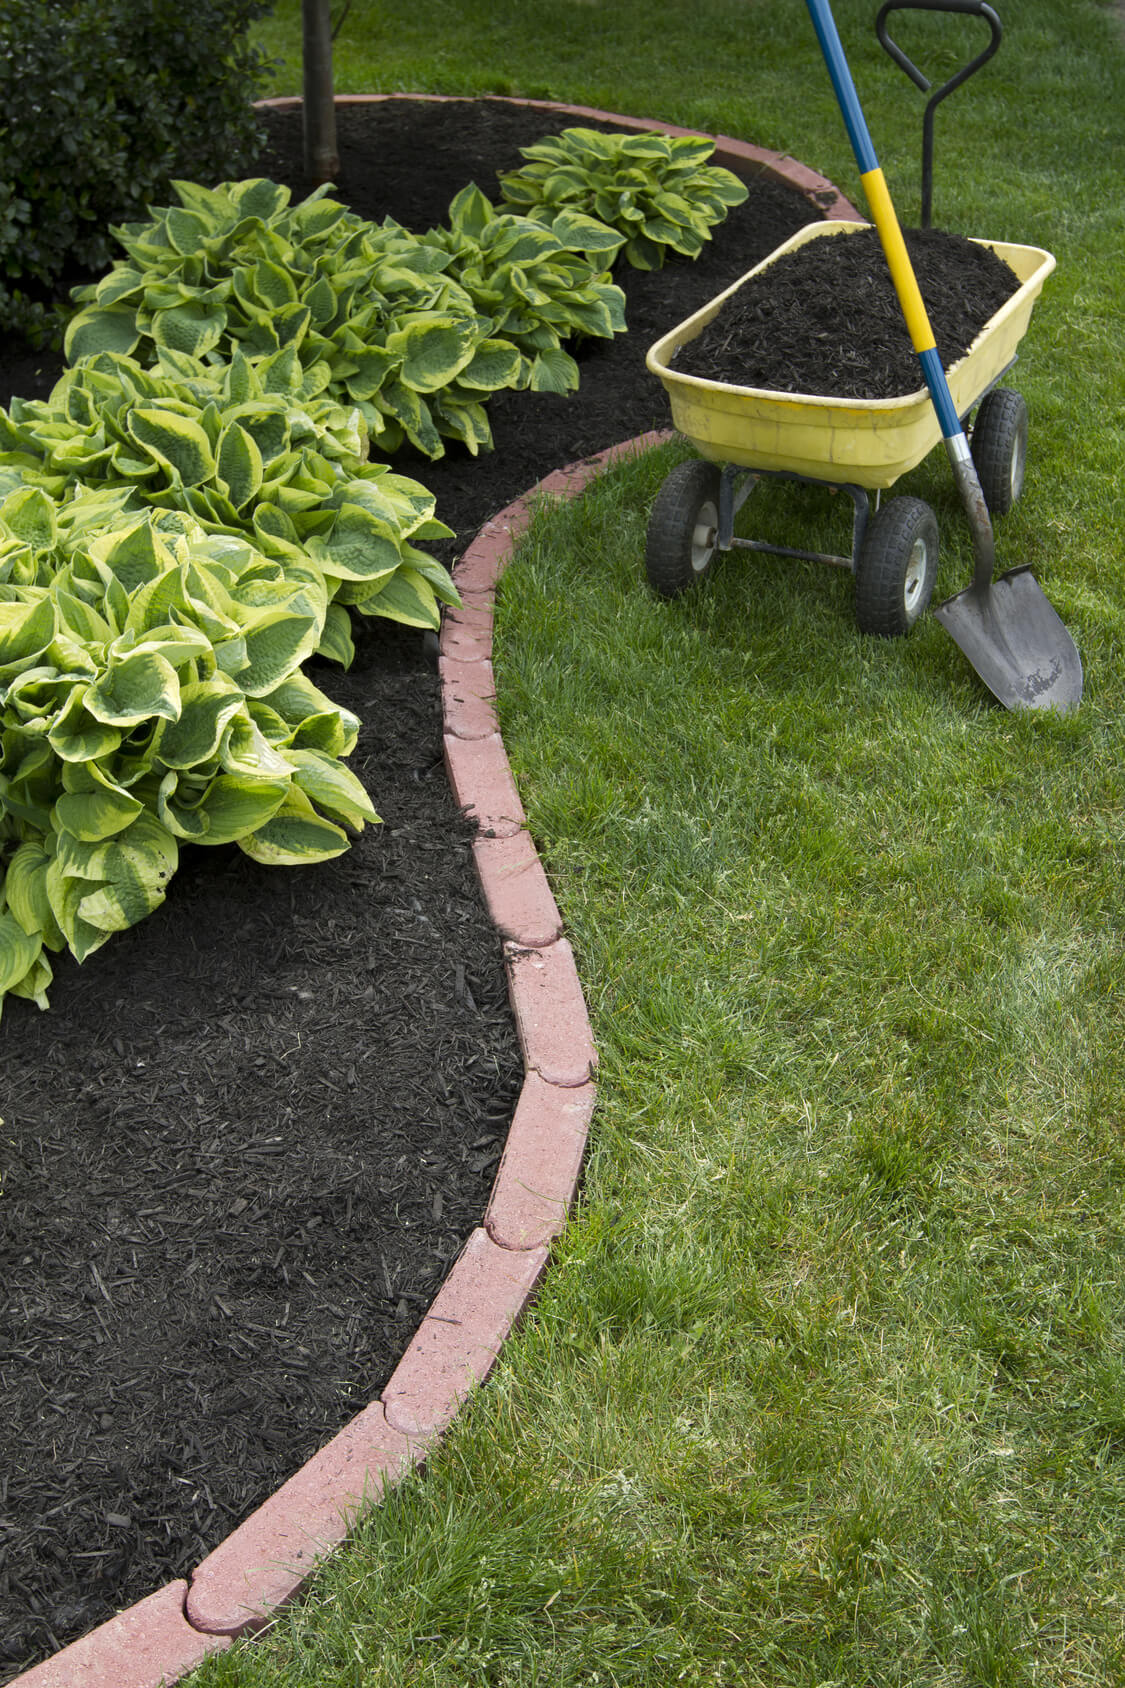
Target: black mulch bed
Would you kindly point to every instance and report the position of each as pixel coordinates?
(825, 319)
(245, 1144)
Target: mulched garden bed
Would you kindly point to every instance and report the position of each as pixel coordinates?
(825, 319)
(243, 1147)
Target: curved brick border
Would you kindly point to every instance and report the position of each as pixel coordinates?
(268, 1558)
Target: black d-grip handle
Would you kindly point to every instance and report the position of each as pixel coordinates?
(971, 8)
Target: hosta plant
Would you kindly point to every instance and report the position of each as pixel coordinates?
(368, 311)
(250, 448)
(537, 286)
(151, 694)
(657, 191)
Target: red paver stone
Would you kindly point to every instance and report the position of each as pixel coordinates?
(516, 891)
(541, 1164)
(150, 1644)
(468, 698)
(483, 563)
(466, 632)
(457, 1342)
(551, 1018)
(482, 782)
(265, 1561)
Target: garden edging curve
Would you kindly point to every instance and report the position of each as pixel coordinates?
(266, 1560)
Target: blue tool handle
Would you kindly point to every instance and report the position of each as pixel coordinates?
(886, 221)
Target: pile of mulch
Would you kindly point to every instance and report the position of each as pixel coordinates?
(241, 1150)
(825, 319)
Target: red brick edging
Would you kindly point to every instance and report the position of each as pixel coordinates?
(268, 1558)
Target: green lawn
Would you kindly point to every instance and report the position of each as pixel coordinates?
(826, 1386)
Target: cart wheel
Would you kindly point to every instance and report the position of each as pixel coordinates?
(683, 528)
(1000, 448)
(896, 567)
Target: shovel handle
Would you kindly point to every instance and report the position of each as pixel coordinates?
(906, 287)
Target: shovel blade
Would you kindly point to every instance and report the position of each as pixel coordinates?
(1015, 640)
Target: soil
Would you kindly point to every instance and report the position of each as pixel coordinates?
(826, 320)
(246, 1142)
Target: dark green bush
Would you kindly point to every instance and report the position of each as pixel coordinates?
(102, 103)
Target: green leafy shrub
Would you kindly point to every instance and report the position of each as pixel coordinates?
(248, 449)
(656, 190)
(150, 694)
(367, 309)
(103, 102)
(537, 286)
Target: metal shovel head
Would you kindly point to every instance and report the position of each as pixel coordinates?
(1016, 642)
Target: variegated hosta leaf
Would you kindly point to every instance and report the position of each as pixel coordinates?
(295, 836)
(97, 889)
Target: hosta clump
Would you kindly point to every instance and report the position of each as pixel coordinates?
(538, 286)
(368, 311)
(249, 448)
(151, 694)
(656, 190)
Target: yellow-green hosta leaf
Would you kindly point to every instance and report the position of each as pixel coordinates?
(336, 643)
(25, 890)
(180, 445)
(207, 707)
(411, 412)
(100, 888)
(134, 688)
(245, 751)
(295, 836)
(554, 371)
(101, 328)
(19, 951)
(94, 815)
(27, 626)
(30, 515)
(239, 464)
(228, 806)
(334, 789)
(235, 805)
(360, 546)
(494, 364)
(316, 722)
(82, 619)
(33, 985)
(77, 736)
(191, 326)
(275, 646)
(135, 554)
(405, 597)
(433, 350)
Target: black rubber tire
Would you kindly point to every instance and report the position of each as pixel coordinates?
(896, 568)
(999, 447)
(683, 529)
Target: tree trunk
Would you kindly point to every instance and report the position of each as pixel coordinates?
(322, 161)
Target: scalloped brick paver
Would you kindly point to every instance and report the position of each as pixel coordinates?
(516, 891)
(455, 1346)
(541, 1164)
(551, 1018)
(146, 1645)
(265, 1561)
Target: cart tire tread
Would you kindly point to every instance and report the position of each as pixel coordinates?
(682, 529)
(999, 448)
(896, 568)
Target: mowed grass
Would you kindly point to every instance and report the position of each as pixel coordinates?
(825, 1387)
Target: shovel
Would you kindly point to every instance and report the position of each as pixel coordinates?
(1011, 635)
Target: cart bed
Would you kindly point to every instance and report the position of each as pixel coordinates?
(868, 444)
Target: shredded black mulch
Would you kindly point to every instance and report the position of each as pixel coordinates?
(825, 319)
(243, 1147)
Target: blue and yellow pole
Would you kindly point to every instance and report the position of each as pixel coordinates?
(886, 222)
